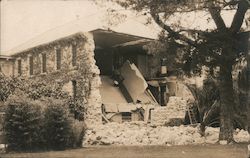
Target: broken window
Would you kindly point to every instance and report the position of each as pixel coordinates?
(126, 116)
(74, 54)
(31, 65)
(58, 59)
(44, 69)
(19, 67)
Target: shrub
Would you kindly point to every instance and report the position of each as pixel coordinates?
(23, 122)
(41, 123)
(57, 125)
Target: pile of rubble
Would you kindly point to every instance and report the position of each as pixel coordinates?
(139, 133)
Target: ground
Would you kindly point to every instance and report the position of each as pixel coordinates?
(191, 151)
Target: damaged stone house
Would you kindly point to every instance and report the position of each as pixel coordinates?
(108, 71)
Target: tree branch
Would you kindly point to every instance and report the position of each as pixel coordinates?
(171, 32)
(238, 19)
(215, 13)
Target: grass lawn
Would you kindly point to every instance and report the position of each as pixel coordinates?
(194, 151)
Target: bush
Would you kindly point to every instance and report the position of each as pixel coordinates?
(23, 122)
(57, 125)
(40, 124)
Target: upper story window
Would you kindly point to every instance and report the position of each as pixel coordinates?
(19, 67)
(58, 58)
(44, 60)
(74, 54)
(31, 66)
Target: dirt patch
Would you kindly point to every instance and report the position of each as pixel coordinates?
(191, 151)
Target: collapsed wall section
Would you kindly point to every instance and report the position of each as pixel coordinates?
(175, 109)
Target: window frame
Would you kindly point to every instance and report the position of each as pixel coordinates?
(19, 66)
(74, 54)
(58, 62)
(31, 65)
(44, 63)
(74, 89)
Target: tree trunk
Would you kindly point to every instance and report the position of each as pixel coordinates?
(248, 86)
(227, 103)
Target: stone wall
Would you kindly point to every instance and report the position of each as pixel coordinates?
(85, 73)
(175, 109)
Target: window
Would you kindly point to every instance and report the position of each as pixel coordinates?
(126, 117)
(58, 59)
(74, 55)
(31, 64)
(19, 67)
(44, 68)
(74, 89)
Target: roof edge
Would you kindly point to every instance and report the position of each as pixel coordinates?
(7, 57)
(54, 42)
(120, 33)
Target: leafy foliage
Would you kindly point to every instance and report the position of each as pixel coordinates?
(192, 48)
(207, 99)
(57, 125)
(7, 85)
(23, 123)
(40, 124)
(36, 89)
(76, 107)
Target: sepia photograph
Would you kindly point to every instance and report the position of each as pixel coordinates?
(124, 78)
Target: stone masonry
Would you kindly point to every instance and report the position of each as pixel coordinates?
(175, 109)
(85, 72)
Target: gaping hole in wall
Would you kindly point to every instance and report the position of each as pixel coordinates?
(134, 84)
(125, 70)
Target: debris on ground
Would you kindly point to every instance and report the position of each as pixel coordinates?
(140, 133)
